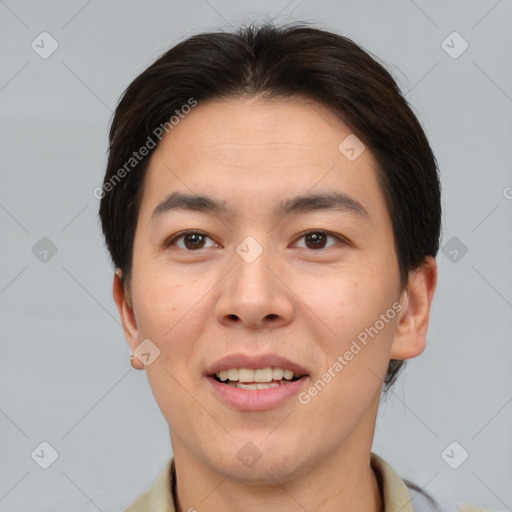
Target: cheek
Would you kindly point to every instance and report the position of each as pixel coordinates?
(172, 316)
(338, 302)
(170, 313)
(358, 312)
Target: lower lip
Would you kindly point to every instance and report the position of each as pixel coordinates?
(256, 399)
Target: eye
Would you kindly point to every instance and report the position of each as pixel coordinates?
(318, 239)
(192, 240)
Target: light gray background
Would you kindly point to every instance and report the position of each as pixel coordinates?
(65, 375)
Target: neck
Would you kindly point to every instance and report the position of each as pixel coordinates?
(343, 481)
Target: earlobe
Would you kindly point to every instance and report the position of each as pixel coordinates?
(412, 324)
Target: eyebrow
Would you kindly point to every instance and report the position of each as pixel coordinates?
(331, 201)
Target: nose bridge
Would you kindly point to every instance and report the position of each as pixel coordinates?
(252, 294)
(251, 274)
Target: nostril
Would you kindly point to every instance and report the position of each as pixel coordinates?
(272, 316)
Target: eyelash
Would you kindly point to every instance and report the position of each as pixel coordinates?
(172, 241)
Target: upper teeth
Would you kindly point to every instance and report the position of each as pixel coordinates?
(250, 375)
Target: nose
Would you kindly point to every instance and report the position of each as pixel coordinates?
(255, 295)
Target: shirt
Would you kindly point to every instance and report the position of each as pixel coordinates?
(396, 498)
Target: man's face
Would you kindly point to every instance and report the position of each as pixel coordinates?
(270, 280)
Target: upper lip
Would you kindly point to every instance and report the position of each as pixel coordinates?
(254, 362)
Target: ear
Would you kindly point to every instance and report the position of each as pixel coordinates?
(411, 330)
(126, 314)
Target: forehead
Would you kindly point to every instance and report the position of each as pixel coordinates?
(252, 152)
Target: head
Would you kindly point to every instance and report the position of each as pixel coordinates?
(313, 199)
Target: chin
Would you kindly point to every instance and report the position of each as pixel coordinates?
(257, 460)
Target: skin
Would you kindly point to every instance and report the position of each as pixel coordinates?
(307, 304)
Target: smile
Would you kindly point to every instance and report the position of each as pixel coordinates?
(245, 389)
(261, 378)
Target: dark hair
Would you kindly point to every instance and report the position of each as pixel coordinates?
(279, 62)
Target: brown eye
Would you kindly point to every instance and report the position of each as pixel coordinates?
(194, 241)
(318, 240)
(190, 241)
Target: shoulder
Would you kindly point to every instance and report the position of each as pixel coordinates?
(430, 502)
(424, 501)
(471, 508)
(437, 503)
(402, 495)
(159, 498)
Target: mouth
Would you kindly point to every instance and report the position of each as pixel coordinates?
(255, 382)
(259, 378)
(246, 383)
